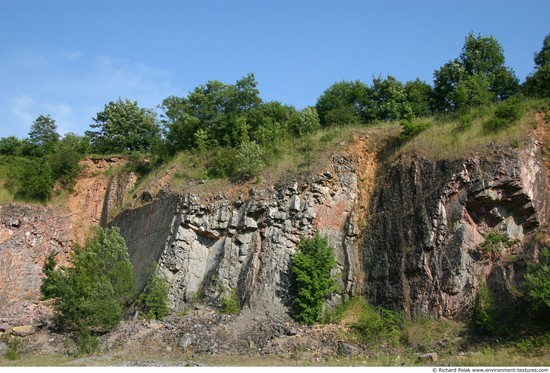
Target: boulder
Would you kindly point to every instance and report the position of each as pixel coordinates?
(430, 357)
(23, 330)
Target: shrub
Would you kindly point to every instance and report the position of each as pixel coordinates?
(248, 161)
(495, 242)
(12, 353)
(95, 290)
(377, 324)
(484, 316)
(312, 267)
(231, 304)
(411, 129)
(506, 114)
(31, 180)
(537, 282)
(154, 298)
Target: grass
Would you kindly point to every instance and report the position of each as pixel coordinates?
(460, 135)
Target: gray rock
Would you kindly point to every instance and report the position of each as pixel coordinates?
(430, 357)
(348, 349)
(186, 341)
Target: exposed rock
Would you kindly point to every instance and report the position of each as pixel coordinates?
(23, 330)
(422, 248)
(185, 341)
(205, 244)
(348, 349)
(430, 357)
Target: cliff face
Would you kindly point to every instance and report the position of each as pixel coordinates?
(419, 249)
(208, 247)
(29, 234)
(422, 248)
(408, 235)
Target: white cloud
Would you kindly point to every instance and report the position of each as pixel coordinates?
(71, 87)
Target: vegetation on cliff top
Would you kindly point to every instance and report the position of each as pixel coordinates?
(228, 131)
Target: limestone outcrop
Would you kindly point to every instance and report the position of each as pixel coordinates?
(209, 247)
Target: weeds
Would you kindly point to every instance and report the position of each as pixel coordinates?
(12, 353)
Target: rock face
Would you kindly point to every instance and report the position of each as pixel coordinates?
(422, 247)
(212, 246)
(408, 235)
(420, 251)
(28, 235)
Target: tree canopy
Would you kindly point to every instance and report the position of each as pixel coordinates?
(123, 126)
(477, 77)
(538, 83)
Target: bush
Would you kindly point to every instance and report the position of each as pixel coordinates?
(154, 298)
(378, 324)
(248, 161)
(12, 353)
(411, 129)
(231, 305)
(95, 290)
(537, 282)
(31, 180)
(506, 114)
(312, 267)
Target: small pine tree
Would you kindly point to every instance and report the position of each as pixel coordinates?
(312, 267)
(154, 298)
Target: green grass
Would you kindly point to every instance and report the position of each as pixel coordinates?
(460, 135)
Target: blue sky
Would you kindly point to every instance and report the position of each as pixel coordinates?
(70, 58)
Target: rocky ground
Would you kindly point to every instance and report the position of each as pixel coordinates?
(186, 338)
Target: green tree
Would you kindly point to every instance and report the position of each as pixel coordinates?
(538, 83)
(218, 109)
(123, 126)
(154, 298)
(248, 160)
(312, 267)
(478, 76)
(343, 103)
(419, 96)
(94, 291)
(43, 134)
(308, 122)
(9, 145)
(388, 100)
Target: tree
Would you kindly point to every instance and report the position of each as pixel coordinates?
(343, 103)
(94, 291)
(308, 122)
(312, 267)
(542, 58)
(388, 100)
(123, 126)
(154, 298)
(9, 145)
(538, 83)
(221, 111)
(43, 134)
(478, 76)
(419, 97)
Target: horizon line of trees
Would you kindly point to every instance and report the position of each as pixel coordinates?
(218, 115)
